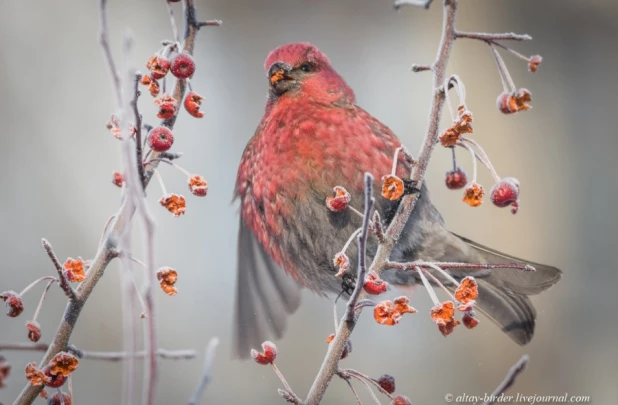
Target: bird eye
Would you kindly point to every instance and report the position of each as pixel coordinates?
(306, 67)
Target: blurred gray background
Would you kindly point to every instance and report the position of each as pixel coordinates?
(58, 158)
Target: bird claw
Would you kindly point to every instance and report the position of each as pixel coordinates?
(348, 283)
(410, 187)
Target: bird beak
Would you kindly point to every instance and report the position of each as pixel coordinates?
(280, 78)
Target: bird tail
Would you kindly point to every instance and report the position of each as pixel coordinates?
(503, 293)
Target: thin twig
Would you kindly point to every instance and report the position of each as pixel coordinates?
(350, 313)
(107, 356)
(509, 380)
(456, 265)
(210, 23)
(104, 40)
(406, 206)
(209, 356)
(138, 130)
(63, 281)
(488, 37)
(416, 3)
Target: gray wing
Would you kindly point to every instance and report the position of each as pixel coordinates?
(265, 295)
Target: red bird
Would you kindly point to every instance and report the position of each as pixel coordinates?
(313, 137)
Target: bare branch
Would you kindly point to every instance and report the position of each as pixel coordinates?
(138, 130)
(406, 206)
(420, 68)
(209, 356)
(210, 23)
(63, 282)
(509, 380)
(416, 3)
(107, 356)
(489, 37)
(454, 265)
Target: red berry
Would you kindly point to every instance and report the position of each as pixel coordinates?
(387, 382)
(269, 355)
(505, 192)
(374, 285)
(160, 139)
(183, 65)
(456, 179)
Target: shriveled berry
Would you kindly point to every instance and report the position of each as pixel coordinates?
(534, 62)
(53, 381)
(13, 302)
(198, 185)
(34, 331)
(159, 66)
(505, 192)
(160, 139)
(387, 382)
(268, 356)
(192, 104)
(401, 400)
(456, 179)
(183, 65)
(118, 179)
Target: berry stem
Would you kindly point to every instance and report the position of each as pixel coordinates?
(512, 51)
(370, 380)
(134, 282)
(160, 179)
(507, 80)
(60, 396)
(428, 287)
(454, 159)
(35, 282)
(369, 389)
(40, 305)
(474, 165)
(483, 157)
(350, 239)
(282, 378)
(439, 283)
(347, 380)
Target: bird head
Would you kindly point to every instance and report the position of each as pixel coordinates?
(302, 69)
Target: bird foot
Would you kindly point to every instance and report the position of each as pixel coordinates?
(348, 283)
(410, 187)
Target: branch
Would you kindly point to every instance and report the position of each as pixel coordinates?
(107, 250)
(108, 356)
(490, 37)
(417, 3)
(62, 279)
(209, 356)
(509, 380)
(406, 206)
(454, 265)
(138, 130)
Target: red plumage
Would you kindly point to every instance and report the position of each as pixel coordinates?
(314, 137)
